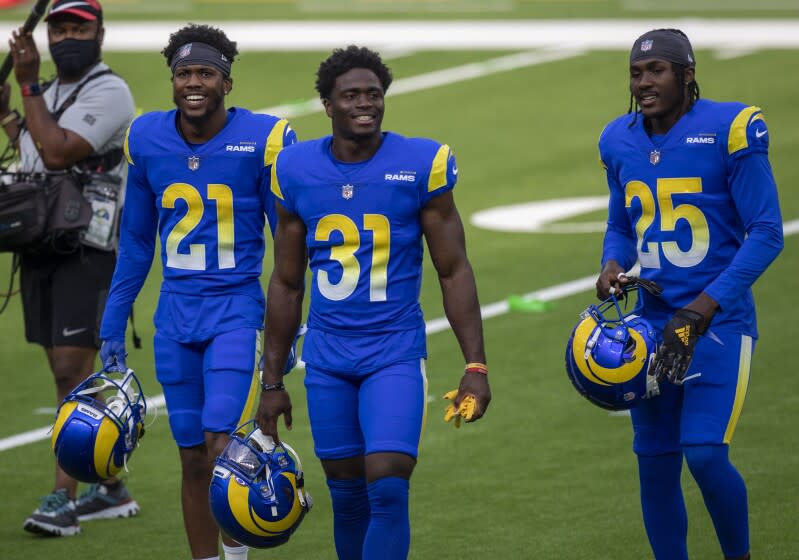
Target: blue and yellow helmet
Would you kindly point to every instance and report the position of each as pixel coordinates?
(608, 356)
(98, 425)
(257, 491)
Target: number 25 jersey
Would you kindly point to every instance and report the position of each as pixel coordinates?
(364, 240)
(697, 206)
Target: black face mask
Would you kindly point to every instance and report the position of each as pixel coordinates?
(73, 56)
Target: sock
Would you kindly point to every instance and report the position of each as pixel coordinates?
(724, 492)
(663, 507)
(209, 558)
(238, 552)
(350, 516)
(389, 533)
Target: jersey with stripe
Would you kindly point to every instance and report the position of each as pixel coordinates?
(697, 207)
(207, 202)
(364, 234)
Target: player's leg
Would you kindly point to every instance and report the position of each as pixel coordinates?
(392, 409)
(656, 444)
(178, 368)
(338, 442)
(231, 387)
(715, 390)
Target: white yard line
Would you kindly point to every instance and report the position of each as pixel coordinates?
(433, 326)
(453, 35)
(437, 78)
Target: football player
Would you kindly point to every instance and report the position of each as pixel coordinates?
(358, 203)
(692, 197)
(199, 177)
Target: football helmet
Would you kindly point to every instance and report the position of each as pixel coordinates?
(98, 425)
(608, 356)
(257, 490)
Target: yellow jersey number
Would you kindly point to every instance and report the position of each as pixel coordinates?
(344, 255)
(649, 256)
(222, 195)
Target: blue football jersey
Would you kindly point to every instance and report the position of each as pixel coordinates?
(207, 203)
(697, 207)
(364, 240)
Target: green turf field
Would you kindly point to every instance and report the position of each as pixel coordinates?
(545, 475)
(216, 10)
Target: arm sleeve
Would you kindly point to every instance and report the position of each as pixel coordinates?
(619, 242)
(754, 193)
(102, 111)
(136, 248)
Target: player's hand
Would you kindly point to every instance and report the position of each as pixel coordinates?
(470, 400)
(25, 56)
(675, 352)
(611, 281)
(112, 355)
(273, 403)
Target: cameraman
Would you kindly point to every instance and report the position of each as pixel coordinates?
(63, 294)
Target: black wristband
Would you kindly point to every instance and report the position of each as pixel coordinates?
(273, 387)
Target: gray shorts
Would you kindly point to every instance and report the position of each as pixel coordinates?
(63, 296)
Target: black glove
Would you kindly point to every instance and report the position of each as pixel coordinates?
(679, 338)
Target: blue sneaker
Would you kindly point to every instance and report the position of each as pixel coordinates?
(101, 502)
(56, 516)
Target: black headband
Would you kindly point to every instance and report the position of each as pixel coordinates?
(664, 44)
(201, 54)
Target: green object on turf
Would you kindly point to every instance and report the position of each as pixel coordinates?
(520, 303)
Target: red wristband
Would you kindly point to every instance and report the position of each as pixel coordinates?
(476, 367)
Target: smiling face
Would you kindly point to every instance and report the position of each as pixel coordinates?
(356, 105)
(657, 90)
(199, 92)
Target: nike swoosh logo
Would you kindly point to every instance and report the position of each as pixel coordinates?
(760, 133)
(454, 170)
(70, 332)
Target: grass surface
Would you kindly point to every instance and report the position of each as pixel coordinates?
(544, 475)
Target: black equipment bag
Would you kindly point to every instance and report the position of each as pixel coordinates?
(43, 213)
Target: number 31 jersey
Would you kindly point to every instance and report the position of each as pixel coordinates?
(208, 203)
(697, 206)
(364, 240)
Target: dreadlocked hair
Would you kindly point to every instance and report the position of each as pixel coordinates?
(200, 34)
(344, 60)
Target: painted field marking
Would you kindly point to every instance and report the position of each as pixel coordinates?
(466, 35)
(433, 326)
(437, 78)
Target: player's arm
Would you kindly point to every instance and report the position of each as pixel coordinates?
(283, 315)
(618, 246)
(754, 192)
(443, 230)
(135, 256)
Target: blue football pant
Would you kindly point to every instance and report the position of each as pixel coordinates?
(209, 386)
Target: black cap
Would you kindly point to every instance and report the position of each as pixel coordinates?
(667, 44)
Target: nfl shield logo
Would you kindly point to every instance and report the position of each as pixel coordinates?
(184, 51)
(194, 163)
(347, 191)
(646, 45)
(654, 157)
